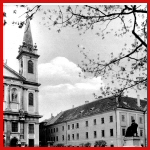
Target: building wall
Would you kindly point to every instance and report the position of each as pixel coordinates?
(22, 95)
(117, 125)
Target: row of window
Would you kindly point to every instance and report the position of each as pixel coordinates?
(14, 96)
(15, 128)
(73, 126)
(72, 137)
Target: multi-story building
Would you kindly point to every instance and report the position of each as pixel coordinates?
(20, 105)
(103, 119)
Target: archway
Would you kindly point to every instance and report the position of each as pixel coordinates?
(13, 142)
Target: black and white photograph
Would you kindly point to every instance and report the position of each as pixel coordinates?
(75, 75)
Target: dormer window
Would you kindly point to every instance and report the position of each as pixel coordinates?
(30, 66)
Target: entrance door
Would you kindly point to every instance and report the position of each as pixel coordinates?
(13, 142)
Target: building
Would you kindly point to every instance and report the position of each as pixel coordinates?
(103, 119)
(20, 105)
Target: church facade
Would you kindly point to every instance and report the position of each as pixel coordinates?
(20, 105)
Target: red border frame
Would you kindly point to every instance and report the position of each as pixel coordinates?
(1, 60)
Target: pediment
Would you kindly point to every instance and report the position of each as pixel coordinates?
(10, 73)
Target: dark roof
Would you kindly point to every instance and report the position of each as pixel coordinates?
(99, 106)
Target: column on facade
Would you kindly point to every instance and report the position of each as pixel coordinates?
(8, 131)
(8, 97)
(37, 134)
(36, 102)
(25, 99)
(26, 132)
(22, 99)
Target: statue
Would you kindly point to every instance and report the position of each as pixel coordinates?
(14, 95)
(132, 130)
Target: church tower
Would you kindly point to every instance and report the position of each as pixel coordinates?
(28, 57)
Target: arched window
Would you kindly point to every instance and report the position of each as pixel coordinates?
(31, 99)
(14, 95)
(30, 66)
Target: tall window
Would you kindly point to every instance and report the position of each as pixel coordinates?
(68, 137)
(14, 95)
(62, 128)
(141, 132)
(56, 138)
(123, 131)
(94, 121)
(103, 133)
(72, 126)
(102, 120)
(111, 118)
(123, 118)
(30, 66)
(68, 127)
(77, 125)
(77, 136)
(31, 99)
(31, 128)
(86, 123)
(140, 120)
(111, 132)
(95, 134)
(72, 136)
(14, 126)
(56, 129)
(63, 137)
(87, 135)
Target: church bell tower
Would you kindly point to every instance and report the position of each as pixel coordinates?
(28, 57)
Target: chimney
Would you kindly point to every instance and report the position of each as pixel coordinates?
(52, 115)
(86, 102)
(138, 100)
(72, 106)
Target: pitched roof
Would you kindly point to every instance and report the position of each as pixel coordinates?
(99, 106)
(16, 74)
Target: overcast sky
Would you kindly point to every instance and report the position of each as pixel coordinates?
(61, 87)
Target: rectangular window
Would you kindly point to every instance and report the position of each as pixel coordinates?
(87, 135)
(132, 118)
(62, 128)
(56, 129)
(72, 126)
(68, 127)
(111, 132)
(141, 133)
(57, 138)
(103, 133)
(63, 137)
(77, 136)
(14, 126)
(31, 128)
(51, 131)
(95, 134)
(102, 120)
(54, 139)
(86, 123)
(123, 132)
(72, 136)
(77, 125)
(111, 118)
(123, 118)
(94, 121)
(68, 137)
(140, 120)
(31, 142)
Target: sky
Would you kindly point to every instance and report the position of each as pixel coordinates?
(61, 87)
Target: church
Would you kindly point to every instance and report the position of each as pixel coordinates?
(20, 104)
